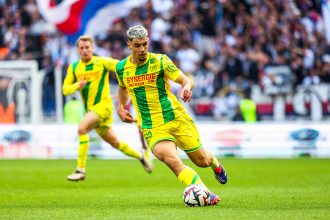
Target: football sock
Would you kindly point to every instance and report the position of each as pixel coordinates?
(147, 154)
(189, 176)
(82, 152)
(126, 149)
(216, 165)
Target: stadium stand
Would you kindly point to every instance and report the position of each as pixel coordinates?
(225, 46)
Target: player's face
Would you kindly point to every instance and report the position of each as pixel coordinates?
(85, 50)
(139, 48)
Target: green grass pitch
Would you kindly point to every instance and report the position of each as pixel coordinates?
(120, 189)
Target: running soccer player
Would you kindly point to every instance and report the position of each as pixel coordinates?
(90, 76)
(165, 124)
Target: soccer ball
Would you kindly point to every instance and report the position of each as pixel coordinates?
(196, 195)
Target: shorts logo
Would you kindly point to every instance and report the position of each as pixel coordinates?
(147, 136)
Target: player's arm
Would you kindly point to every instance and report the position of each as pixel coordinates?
(110, 63)
(123, 114)
(176, 75)
(187, 85)
(70, 85)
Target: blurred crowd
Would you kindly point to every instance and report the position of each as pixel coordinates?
(224, 45)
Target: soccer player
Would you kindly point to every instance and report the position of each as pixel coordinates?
(90, 76)
(165, 124)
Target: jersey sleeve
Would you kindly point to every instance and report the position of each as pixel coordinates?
(170, 70)
(70, 85)
(120, 72)
(110, 63)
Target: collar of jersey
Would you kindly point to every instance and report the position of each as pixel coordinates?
(89, 62)
(129, 60)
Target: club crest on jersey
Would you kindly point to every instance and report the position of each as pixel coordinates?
(153, 68)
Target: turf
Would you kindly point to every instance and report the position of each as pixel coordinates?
(120, 189)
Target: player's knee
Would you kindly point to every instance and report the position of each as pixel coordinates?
(114, 143)
(82, 130)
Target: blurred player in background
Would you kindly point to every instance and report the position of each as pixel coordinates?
(90, 76)
(165, 124)
(129, 107)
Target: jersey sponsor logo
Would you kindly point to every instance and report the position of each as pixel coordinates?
(88, 75)
(141, 80)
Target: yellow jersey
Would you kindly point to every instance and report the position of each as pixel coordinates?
(149, 89)
(96, 73)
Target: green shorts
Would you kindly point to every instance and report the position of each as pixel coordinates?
(182, 131)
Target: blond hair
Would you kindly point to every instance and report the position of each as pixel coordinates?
(84, 38)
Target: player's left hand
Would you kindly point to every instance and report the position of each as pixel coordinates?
(185, 94)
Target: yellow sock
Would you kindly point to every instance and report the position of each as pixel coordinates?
(126, 149)
(189, 176)
(215, 163)
(82, 151)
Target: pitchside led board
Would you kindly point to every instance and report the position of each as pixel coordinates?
(262, 140)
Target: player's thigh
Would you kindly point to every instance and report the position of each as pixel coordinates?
(111, 137)
(88, 122)
(166, 151)
(187, 135)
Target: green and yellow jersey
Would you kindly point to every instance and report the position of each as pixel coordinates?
(149, 89)
(96, 73)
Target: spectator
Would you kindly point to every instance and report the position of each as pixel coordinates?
(73, 111)
(234, 40)
(247, 109)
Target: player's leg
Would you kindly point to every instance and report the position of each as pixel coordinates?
(203, 158)
(110, 136)
(145, 149)
(88, 123)
(188, 139)
(166, 152)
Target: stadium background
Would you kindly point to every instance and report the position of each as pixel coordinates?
(277, 50)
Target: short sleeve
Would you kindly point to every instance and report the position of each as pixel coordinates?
(110, 63)
(170, 70)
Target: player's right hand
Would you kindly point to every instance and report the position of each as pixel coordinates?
(82, 83)
(185, 94)
(125, 116)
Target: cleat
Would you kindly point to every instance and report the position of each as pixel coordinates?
(214, 199)
(221, 176)
(146, 161)
(77, 176)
